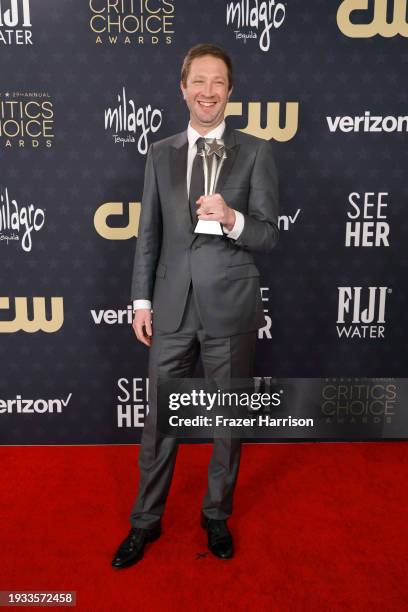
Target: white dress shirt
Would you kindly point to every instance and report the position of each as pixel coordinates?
(235, 232)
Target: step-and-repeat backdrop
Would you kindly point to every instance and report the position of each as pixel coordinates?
(85, 87)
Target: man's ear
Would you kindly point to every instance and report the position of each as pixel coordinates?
(183, 93)
(230, 92)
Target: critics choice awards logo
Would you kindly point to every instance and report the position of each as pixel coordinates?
(132, 21)
(15, 22)
(129, 124)
(359, 400)
(26, 120)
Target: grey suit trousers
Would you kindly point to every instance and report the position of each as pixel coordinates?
(175, 354)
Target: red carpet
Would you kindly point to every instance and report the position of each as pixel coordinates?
(317, 527)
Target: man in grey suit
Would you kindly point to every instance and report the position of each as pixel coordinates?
(198, 293)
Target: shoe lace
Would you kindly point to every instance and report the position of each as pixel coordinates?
(134, 534)
(218, 529)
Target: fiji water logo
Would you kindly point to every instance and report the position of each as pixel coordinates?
(361, 312)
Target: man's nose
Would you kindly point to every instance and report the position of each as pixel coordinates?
(208, 90)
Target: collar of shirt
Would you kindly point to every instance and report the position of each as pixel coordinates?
(192, 133)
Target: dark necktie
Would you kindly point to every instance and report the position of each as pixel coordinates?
(196, 181)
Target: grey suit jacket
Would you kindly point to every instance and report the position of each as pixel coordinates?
(169, 255)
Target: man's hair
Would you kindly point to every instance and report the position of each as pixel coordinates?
(205, 49)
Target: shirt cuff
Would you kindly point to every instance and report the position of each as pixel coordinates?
(139, 304)
(238, 226)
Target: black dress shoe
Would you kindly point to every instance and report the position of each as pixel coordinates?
(131, 549)
(219, 537)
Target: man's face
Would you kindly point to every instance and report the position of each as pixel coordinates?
(206, 93)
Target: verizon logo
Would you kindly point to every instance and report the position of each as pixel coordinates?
(368, 123)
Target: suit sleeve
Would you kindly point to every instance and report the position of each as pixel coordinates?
(148, 243)
(261, 232)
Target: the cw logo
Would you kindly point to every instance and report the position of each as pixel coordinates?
(378, 25)
(39, 321)
(112, 209)
(273, 129)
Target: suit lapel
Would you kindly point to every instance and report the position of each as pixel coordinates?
(178, 171)
(231, 147)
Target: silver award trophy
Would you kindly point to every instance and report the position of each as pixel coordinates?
(213, 154)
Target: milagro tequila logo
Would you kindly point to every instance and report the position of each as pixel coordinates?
(17, 223)
(126, 121)
(26, 119)
(262, 16)
(132, 21)
(15, 22)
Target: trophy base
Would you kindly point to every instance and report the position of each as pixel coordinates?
(208, 227)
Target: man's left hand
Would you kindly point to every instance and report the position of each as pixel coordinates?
(214, 208)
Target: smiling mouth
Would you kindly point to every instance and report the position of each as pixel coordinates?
(206, 104)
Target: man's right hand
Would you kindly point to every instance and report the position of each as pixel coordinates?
(142, 325)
